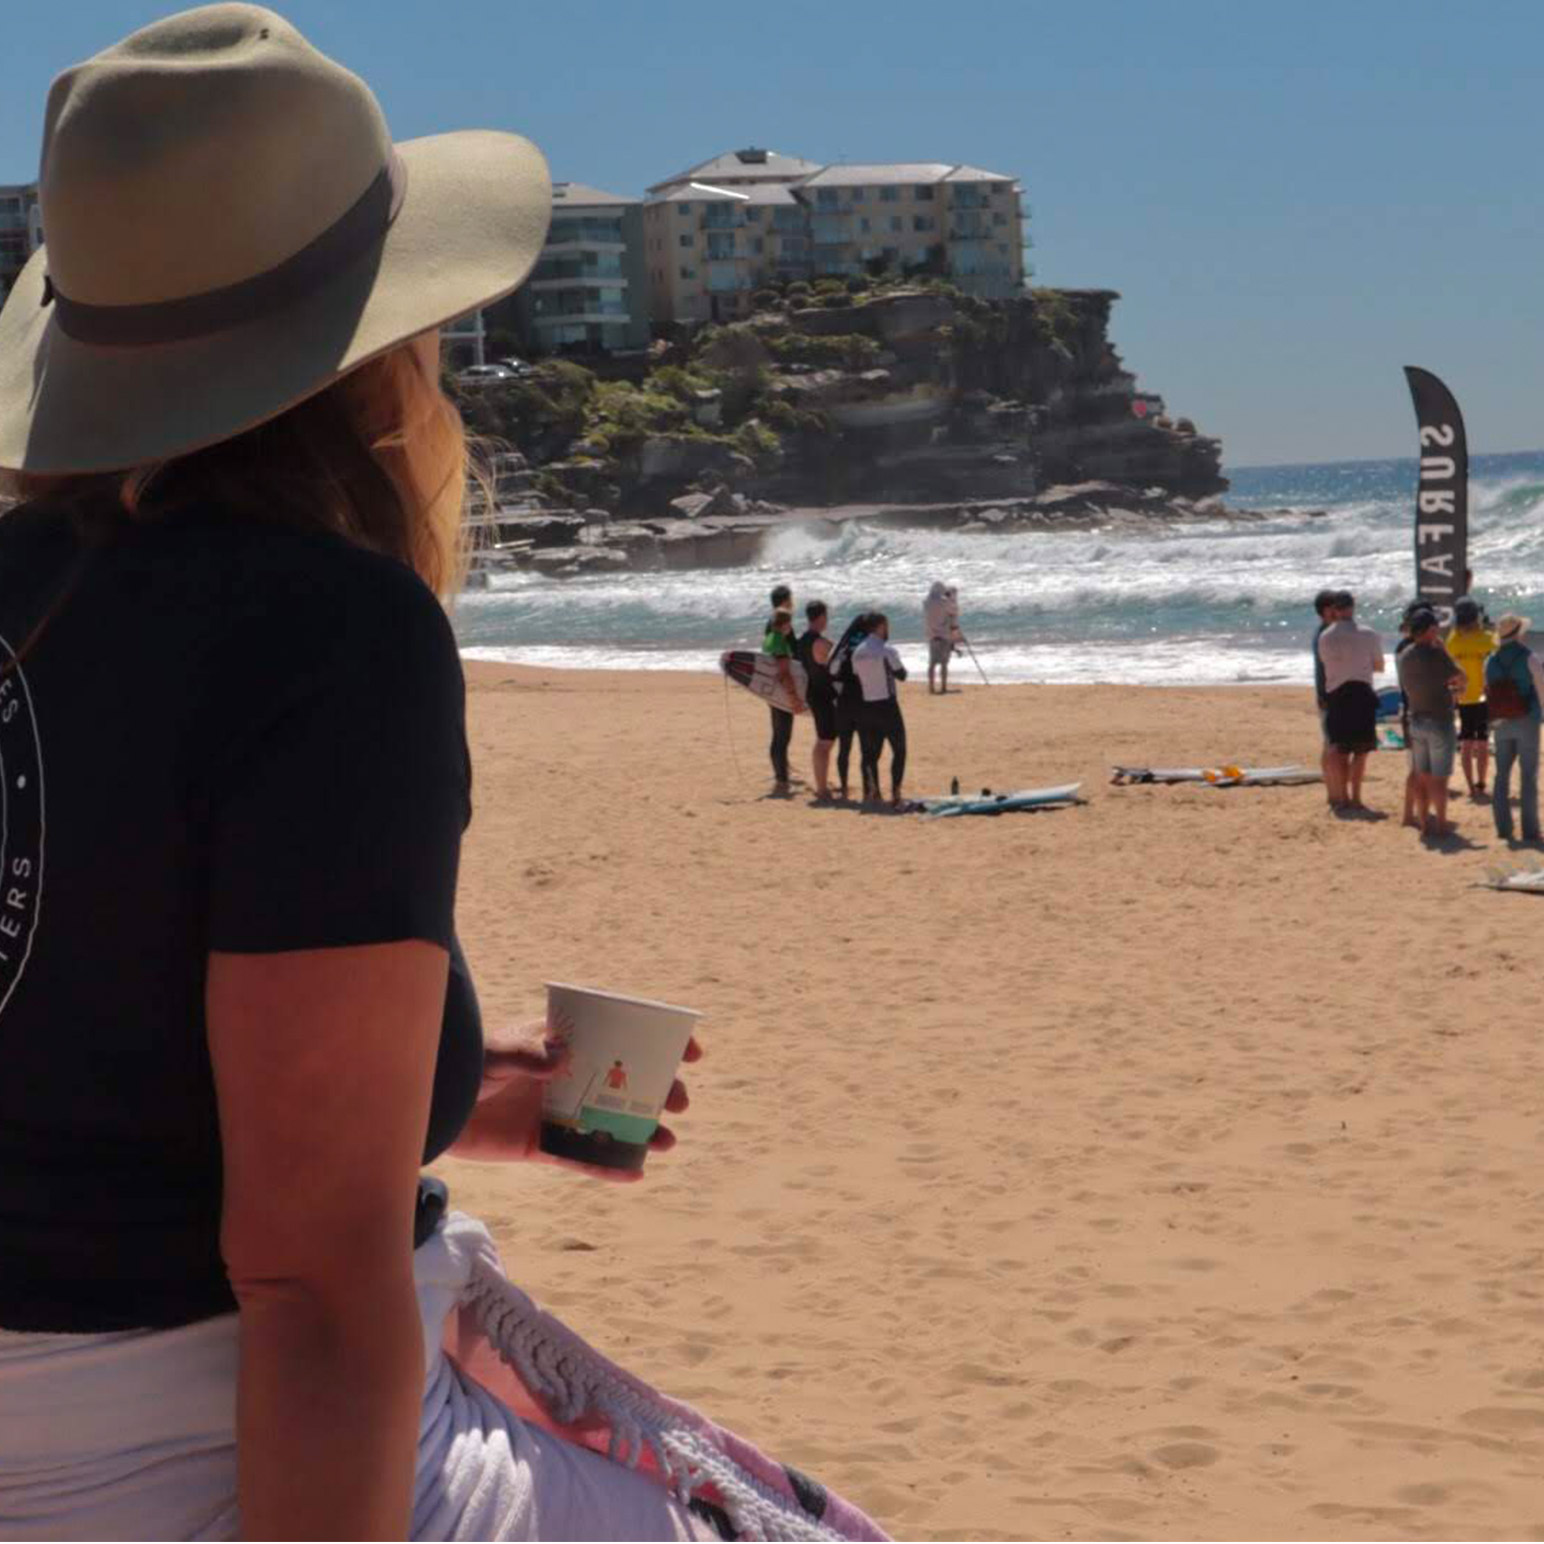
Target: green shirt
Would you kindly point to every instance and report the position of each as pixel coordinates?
(778, 645)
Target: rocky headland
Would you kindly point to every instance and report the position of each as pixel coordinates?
(902, 404)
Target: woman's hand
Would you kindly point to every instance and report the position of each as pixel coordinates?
(506, 1125)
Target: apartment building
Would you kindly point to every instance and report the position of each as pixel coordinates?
(960, 222)
(715, 233)
(21, 230)
(588, 293)
(709, 248)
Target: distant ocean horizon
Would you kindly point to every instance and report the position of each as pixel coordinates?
(1199, 603)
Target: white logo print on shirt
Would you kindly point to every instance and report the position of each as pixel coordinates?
(21, 823)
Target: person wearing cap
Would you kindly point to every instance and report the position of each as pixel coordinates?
(1324, 609)
(1514, 695)
(235, 1018)
(1471, 643)
(1352, 655)
(1430, 680)
(941, 623)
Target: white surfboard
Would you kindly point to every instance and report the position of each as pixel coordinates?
(759, 675)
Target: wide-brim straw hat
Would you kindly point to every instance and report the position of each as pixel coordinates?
(1511, 626)
(228, 229)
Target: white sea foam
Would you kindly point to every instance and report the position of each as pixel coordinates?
(1201, 603)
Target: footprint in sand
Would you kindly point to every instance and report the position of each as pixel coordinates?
(1423, 1495)
(1186, 1455)
(1505, 1422)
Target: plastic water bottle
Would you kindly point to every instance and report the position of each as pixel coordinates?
(954, 787)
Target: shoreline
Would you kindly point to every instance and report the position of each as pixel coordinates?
(961, 671)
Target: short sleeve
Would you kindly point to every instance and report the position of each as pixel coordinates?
(336, 798)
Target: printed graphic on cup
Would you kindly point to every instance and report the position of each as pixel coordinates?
(624, 1052)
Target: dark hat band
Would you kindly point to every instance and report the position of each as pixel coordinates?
(248, 300)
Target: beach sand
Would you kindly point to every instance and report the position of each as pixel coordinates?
(1166, 1167)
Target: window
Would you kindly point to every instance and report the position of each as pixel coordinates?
(683, 209)
(999, 218)
(686, 238)
(752, 214)
(923, 222)
(924, 193)
(889, 194)
(758, 245)
(856, 196)
(827, 197)
(863, 224)
(897, 222)
(688, 273)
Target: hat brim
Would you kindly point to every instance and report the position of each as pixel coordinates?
(472, 223)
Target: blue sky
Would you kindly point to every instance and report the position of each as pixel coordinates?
(1293, 200)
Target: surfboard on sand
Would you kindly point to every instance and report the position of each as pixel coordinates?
(1000, 803)
(759, 675)
(1217, 777)
(1528, 880)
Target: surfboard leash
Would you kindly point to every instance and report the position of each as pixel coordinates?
(729, 734)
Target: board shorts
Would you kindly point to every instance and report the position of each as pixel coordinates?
(1351, 718)
(1433, 744)
(1474, 721)
(823, 712)
(939, 651)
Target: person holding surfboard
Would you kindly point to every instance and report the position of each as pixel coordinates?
(778, 644)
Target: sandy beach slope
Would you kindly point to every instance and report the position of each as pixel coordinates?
(1167, 1167)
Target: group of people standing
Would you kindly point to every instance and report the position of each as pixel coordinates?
(1461, 685)
(849, 692)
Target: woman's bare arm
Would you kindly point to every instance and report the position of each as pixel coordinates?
(324, 1065)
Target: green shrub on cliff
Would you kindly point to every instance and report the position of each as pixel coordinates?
(754, 439)
(1056, 323)
(625, 415)
(785, 418)
(843, 351)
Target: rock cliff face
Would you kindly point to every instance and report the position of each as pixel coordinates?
(893, 396)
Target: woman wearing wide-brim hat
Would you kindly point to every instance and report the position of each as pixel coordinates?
(233, 783)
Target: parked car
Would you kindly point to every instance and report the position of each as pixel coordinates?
(518, 366)
(484, 375)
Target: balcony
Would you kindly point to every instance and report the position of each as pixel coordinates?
(586, 233)
(578, 269)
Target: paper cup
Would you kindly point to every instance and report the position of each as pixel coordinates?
(623, 1052)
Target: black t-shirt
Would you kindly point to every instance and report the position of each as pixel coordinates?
(230, 735)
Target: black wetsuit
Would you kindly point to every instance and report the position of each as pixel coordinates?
(821, 693)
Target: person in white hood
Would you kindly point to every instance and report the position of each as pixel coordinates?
(941, 621)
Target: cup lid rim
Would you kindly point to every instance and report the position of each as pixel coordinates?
(623, 997)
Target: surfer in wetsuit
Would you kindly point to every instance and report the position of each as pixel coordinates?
(878, 667)
(777, 643)
(849, 696)
(814, 651)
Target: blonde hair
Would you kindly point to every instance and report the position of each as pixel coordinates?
(380, 457)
